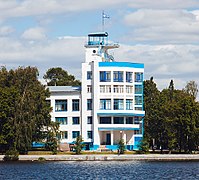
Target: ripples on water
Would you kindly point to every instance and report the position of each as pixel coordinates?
(100, 170)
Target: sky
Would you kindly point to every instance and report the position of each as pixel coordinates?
(164, 35)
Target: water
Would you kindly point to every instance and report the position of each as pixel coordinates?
(100, 170)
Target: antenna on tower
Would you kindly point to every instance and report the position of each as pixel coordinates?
(104, 16)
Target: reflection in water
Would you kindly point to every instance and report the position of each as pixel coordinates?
(100, 170)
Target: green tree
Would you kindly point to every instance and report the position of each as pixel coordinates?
(78, 145)
(59, 77)
(121, 146)
(191, 88)
(24, 113)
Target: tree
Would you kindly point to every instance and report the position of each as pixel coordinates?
(191, 88)
(24, 111)
(121, 146)
(78, 145)
(59, 77)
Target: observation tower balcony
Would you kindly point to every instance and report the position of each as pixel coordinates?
(100, 39)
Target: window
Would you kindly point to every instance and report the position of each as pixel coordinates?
(105, 120)
(118, 120)
(75, 120)
(118, 104)
(60, 105)
(89, 75)
(105, 76)
(136, 132)
(65, 135)
(105, 104)
(129, 77)
(118, 89)
(136, 120)
(89, 104)
(75, 104)
(138, 100)
(138, 108)
(89, 134)
(129, 89)
(118, 76)
(129, 120)
(138, 77)
(75, 134)
(138, 89)
(129, 104)
(105, 89)
(61, 120)
(89, 89)
(89, 120)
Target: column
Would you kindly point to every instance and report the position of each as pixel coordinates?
(112, 137)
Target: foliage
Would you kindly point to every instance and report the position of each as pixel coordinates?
(41, 159)
(191, 88)
(11, 155)
(121, 146)
(59, 77)
(78, 145)
(52, 140)
(172, 118)
(23, 109)
(143, 146)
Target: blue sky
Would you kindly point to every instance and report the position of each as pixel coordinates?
(163, 35)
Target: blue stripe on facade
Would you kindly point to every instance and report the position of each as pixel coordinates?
(120, 114)
(121, 64)
(117, 129)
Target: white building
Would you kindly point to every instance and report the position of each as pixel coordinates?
(109, 105)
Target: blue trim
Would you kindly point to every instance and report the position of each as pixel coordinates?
(38, 145)
(129, 147)
(94, 147)
(121, 64)
(117, 129)
(112, 147)
(120, 114)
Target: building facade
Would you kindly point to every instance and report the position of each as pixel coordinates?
(109, 105)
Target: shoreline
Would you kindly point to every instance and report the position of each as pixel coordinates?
(110, 157)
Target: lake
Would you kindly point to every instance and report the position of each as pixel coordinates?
(99, 170)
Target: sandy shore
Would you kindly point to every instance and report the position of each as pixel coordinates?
(110, 157)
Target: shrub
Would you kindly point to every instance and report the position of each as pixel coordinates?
(11, 155)
(121, 146)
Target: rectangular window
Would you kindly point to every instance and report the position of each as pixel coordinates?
(118, 104)
(118, 89)
(75, 104)
(89, 120)
(118, 120)
(105, 120)
(89, 75)
(138, 77)
(129, 104)
(136, 132)
(129, 77)
(61, 120)
(89, 134)
(129, 120)
(105, 89)
(89, 104)
(129, 89)
(118, 76)
(105, 104)
(75, 134)
(64, 134)
(75, 120)
(138, 100)
(89, 89)
(60, 105)
(138, 108)
(105, 76)
(137, 120)
(138, 89)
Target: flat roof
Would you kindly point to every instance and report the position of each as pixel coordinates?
(64, 88)
(98, 34)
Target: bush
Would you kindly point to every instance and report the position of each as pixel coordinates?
(121, 146)
(143, 147)
(41, 159)
(11, 155)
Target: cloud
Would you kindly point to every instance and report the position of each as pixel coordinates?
(36, 33)
(6, 30)
(163, 26)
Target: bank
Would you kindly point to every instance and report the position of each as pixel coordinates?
(110, 157)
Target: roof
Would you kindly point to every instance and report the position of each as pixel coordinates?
(64, 88)
(98, 34)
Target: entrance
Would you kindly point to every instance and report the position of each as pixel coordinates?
(108, 139)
